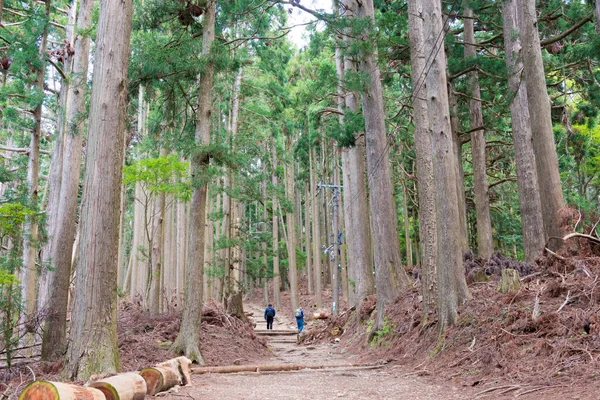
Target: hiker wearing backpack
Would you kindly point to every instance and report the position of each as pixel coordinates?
(269, 315)
(299, 314)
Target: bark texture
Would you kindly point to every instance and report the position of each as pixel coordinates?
(356, 207)
(546, 158)
(452, 288)
(316, 230)
(389, 273)
(530, 205)
(54, 338)
(424, 159)
(188, 339)
(276, 272)
(291, 228)
(31, 229)
(485, 246)
(93, 349)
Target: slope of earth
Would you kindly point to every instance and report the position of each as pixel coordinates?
(542, 341)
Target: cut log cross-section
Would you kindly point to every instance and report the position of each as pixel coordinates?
(46, 390)
(159, 379)
(181, 365)
(128, 386)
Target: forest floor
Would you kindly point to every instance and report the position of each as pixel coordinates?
(348, 382)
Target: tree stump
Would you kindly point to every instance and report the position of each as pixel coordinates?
(46, 390)
(128, 386)
(159, 379)
(511, 281)
(235, 306)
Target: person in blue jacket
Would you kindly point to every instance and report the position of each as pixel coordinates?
(269, 315)
(299, 314)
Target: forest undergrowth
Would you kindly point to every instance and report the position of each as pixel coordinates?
(545, 334)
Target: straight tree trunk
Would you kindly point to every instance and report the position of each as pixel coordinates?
(485, 246)
(264, 243)
(424, 160)
(406, 217)
(188, 340)
(157, 249)
(31, 228)
(182, 234)
(460, 175)
(546, 159)
(55, 175)
(389, 274)
(530, 205)
(55, 325)
(360, 248)
(93, 348)
(316, 234)
(291, 227)
(452, 287)
(275, 203)
(307, 241)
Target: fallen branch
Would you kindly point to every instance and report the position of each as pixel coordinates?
(497, 388)
(538, 389)
(565, 303)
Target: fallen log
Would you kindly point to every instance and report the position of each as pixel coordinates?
(320, 315)
(128, 386)
(182, 366)
(46, 390)
(159, 379)
(228, 369)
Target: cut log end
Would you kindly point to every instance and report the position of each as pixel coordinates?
(159, 379)
(46, 390)
(128, 386)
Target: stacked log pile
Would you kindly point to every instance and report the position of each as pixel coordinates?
(126, 386)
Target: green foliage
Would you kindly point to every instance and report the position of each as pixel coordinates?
(165, 174)
(382, 335)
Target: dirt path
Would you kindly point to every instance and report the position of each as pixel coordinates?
(347, 383)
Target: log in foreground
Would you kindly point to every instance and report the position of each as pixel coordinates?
(46, 390)
(228, 369)
(128, 386)
(159, 379)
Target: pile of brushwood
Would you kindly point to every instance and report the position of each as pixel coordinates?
(545, 333)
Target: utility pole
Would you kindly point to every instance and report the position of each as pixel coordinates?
(334, 249)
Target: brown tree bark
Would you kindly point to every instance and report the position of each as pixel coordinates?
(275, 224)
(307, 241)
(291, 226)
(316, 230)
(55, 175)
(30, 241)
(546, 159)
(389, 274)
(188, 340)
(452, 288)
(460, 175)
(424, 161)
(93, 346)
(530, 205)
(485, 246)
(63, 235)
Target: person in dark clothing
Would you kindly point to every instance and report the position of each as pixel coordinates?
(269, 315)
